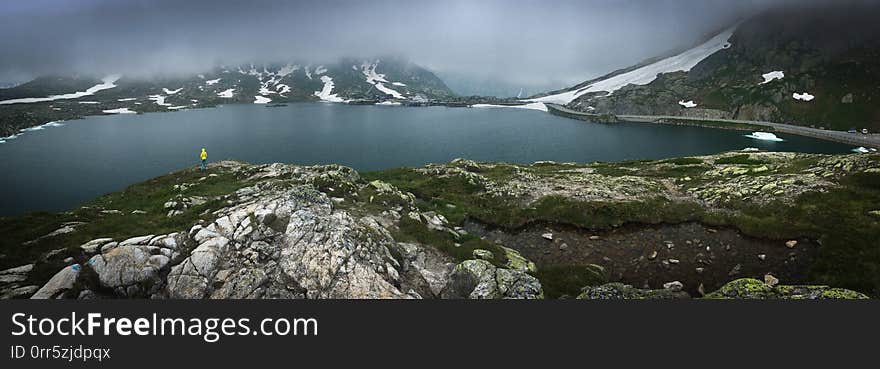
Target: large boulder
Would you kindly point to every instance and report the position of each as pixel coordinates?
(59, 284)
(479, 279)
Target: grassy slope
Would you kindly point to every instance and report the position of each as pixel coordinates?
(838, 218)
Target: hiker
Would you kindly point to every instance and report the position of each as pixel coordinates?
(204, 156)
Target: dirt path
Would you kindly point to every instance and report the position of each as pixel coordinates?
(649, 256)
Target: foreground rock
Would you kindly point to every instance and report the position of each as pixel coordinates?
(745, 288)
(283, 238)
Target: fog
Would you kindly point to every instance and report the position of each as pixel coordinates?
(530, 44)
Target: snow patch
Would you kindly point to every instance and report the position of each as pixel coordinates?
(803, 97)
(119, 111)
(647, 74)
(171, 92)
(176, 107)
(159, 99)
(226, 93)
(320, 70)
(282, 88)
(212, 81)
(88, 102)
(861, 150)
(127, 99)
(389, 103)
(687, 104)
(774, 75)
(287, 69)
(398, 84)
(106, 83)
(326, 93)
(388, 91)
(764, 136)
(533, 106)
(261, 100)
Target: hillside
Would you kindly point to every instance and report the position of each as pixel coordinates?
(812, 66)
(743, 224)
(47, 99)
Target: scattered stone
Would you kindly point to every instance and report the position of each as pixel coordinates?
(483, 254)
(653, 255)
(762, 256)
(673, 261)
(93, 246)
(791, 243)
(735, 270)
(138, 212)
(547, 236)
(594, 238)
(701, 290)
(563, 246)
(700, 270)
(770, 280)
(674, 286)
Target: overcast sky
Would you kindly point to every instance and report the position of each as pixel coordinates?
(532, 43)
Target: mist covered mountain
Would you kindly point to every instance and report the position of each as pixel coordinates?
(814, 66)
(51, 98)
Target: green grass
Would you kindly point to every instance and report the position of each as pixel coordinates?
(149, 196)
(568, 280)
(742, 159)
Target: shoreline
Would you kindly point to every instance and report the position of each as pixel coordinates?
(870, 140)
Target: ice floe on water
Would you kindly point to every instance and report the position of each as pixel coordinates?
(533, 106)
(764, 136)
(119, 111)
(687, 104)
(803, 97)
(212, 81)
(326, 93)
(774, 75)
(261, 100)
(106, 83)
(171, 92)
(864, 150)
(226, 93)
(646, 74)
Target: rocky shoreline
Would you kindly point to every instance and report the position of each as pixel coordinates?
(731, 225)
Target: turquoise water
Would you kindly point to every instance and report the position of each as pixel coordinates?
(58, 168)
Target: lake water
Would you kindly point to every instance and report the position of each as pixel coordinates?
(58, 168)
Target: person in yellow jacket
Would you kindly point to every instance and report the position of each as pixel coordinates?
(204, 156)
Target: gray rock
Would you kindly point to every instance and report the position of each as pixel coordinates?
(127, 266)
(674, 285)
(93, 246)
(479, 279)
(483, 254)
(60, 283)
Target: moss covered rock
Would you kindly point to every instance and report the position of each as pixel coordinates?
(748, 288)
(620, 291)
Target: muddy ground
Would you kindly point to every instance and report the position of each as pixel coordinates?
(649, 256)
